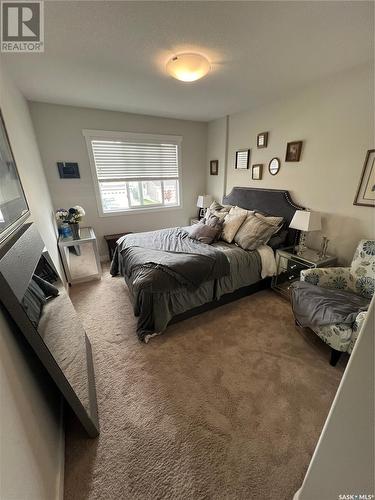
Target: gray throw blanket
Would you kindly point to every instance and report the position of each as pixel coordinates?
(316, 306)
(162, 261)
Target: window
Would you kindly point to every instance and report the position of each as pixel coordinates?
(134, 171)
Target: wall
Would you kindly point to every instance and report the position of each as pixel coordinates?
(217, 150)
(335, 120)
(343, 462)
(31, 439)
(59, 134)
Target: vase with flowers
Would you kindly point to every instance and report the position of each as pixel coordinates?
(70, 219)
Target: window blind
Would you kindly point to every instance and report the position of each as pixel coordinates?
(120, 160)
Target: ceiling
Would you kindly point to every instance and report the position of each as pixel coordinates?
(112, 54)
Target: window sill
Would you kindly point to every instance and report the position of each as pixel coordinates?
(138, 211)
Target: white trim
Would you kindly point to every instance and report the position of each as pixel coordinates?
(132, 211)
(134, 137)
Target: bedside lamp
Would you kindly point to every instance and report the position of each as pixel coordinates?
(203, 202)
(305, 221)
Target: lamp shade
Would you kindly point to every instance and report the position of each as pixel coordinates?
(306, 221)
(188, 67)
(204, 200)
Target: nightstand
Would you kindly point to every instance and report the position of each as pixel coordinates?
(80, 257)
(290, 265)
(194, 221)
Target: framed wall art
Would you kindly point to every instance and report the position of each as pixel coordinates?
(256, 172)
(262, 140)
(242, 159)
(293, 151)
(365, 195)
(214, 167)
(274, 166)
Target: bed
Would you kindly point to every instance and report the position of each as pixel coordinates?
(171, 276)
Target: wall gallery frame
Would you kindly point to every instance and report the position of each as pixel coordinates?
(256, 172)
(293, 151)
(214, 167)
(365, 195)
(274, 166)
(262, 140)
(242, 159)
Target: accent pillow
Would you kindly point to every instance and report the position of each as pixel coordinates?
(240, 211)
(219, 210)
(203, 233)
(215, 222)
(270, 219)
(254, 232)
(232, 223)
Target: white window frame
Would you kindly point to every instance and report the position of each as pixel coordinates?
(91, 135)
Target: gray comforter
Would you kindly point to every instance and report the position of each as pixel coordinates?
(317, 306)
(160, 261)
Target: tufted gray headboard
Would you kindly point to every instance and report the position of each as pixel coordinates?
(270, 201)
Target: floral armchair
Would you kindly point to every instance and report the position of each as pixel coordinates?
(358, 278)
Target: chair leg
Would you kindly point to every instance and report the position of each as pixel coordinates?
(335, 356)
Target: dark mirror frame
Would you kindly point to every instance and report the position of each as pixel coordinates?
(19, 256)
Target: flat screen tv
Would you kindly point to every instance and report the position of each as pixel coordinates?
(14, 209)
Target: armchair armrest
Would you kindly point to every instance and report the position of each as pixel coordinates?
(329, 277)
(357, 325)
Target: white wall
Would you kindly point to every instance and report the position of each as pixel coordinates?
(31, 446)
(59, 134)
(335, 120)
(343, 462)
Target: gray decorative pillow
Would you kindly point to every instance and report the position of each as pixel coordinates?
(254, 232)
(204, 233)
(219, 210)
(215, 222)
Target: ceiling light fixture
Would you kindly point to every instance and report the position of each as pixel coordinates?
(188, 67)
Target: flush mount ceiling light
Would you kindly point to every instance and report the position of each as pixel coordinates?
(188, 67)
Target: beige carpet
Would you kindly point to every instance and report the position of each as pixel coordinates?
(226, 405)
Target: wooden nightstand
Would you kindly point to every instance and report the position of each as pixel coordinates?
(111, 242)
(289, 266)
(194, 221)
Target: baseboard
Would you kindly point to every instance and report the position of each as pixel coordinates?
(296, 495)
(61, 453)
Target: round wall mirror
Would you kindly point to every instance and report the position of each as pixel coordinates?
(274, 166)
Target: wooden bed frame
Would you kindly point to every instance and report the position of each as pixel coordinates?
(276, 202)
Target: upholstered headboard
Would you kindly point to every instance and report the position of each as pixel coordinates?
(270, 201)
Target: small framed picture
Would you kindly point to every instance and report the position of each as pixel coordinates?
(214, 167)
(256, 172)
(262, 140)
(242, 159)
(293, 151)
(68, 170)
(365, 195)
